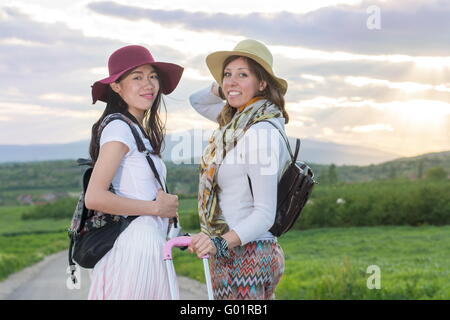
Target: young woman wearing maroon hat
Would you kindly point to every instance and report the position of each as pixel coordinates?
(133, 268)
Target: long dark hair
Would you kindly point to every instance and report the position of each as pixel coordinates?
(154, 128)
(272, 92)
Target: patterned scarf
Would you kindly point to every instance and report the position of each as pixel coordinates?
(221, 142)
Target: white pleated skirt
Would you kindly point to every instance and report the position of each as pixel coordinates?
(134, 268)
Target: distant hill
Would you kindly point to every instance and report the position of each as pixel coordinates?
(43, 152)
(312, 151)
(410, 168)
(39, 179)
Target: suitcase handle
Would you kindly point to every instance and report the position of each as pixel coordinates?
(175, 242)
(183, 241)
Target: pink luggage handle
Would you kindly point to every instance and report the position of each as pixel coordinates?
(177, 242)
(183, 242)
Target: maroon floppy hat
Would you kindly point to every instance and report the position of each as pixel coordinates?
(130, 57)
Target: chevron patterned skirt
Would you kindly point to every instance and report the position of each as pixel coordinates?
(252, 272)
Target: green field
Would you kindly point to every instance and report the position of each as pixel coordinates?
(25, 242)
(327, 263)
(331, 263)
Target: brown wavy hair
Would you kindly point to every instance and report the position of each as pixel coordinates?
(154, 128)
(272, 92)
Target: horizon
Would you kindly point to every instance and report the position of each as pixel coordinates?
(387, 89)
(195, 163)
(171, 154)
(291, 137)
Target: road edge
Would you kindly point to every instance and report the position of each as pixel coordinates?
(15, 280)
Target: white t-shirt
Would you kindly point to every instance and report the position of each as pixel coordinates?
(263, 162)
(134, 178)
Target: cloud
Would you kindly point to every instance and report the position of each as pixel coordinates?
(16, 25)
(47, 70)
(61, 97)
(370, 128)
(35, 123)
(57, 59)
(413, 27)
(363, 88)
(48, 62)
(398, 71)
(400, 127)
(38, 58)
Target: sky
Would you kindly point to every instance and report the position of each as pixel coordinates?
(364, 73)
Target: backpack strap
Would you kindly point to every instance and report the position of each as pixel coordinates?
(155, 172)
(72, 264)
(293, 156)
(128, 121)
(141, 147)
(283, 135)
(297, 149)
(140, 144)
(86, 176)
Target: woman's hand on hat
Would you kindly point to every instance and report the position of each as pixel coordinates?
(217, 91)
(202, 245)
(167, 204)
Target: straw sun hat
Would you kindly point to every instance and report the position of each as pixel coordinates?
(248, 48)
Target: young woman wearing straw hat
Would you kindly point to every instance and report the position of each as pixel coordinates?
(237, 189)
(133, 268)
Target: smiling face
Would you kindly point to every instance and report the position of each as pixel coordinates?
(239, 83)
(138, 89)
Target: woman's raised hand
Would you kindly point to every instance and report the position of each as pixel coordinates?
(215, 90)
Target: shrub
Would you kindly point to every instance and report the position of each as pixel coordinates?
(397, 202)
(61, 209)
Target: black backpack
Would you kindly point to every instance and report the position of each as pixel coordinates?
(294, 189)
(92, 233)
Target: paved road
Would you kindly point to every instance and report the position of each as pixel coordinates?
(47, 281)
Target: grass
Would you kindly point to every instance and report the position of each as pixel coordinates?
(19, 252)
(332, 263)
(24, 243)
(324, 263)
(11, 222)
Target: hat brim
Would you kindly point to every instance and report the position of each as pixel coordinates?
(169, 75)
(215, 61)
